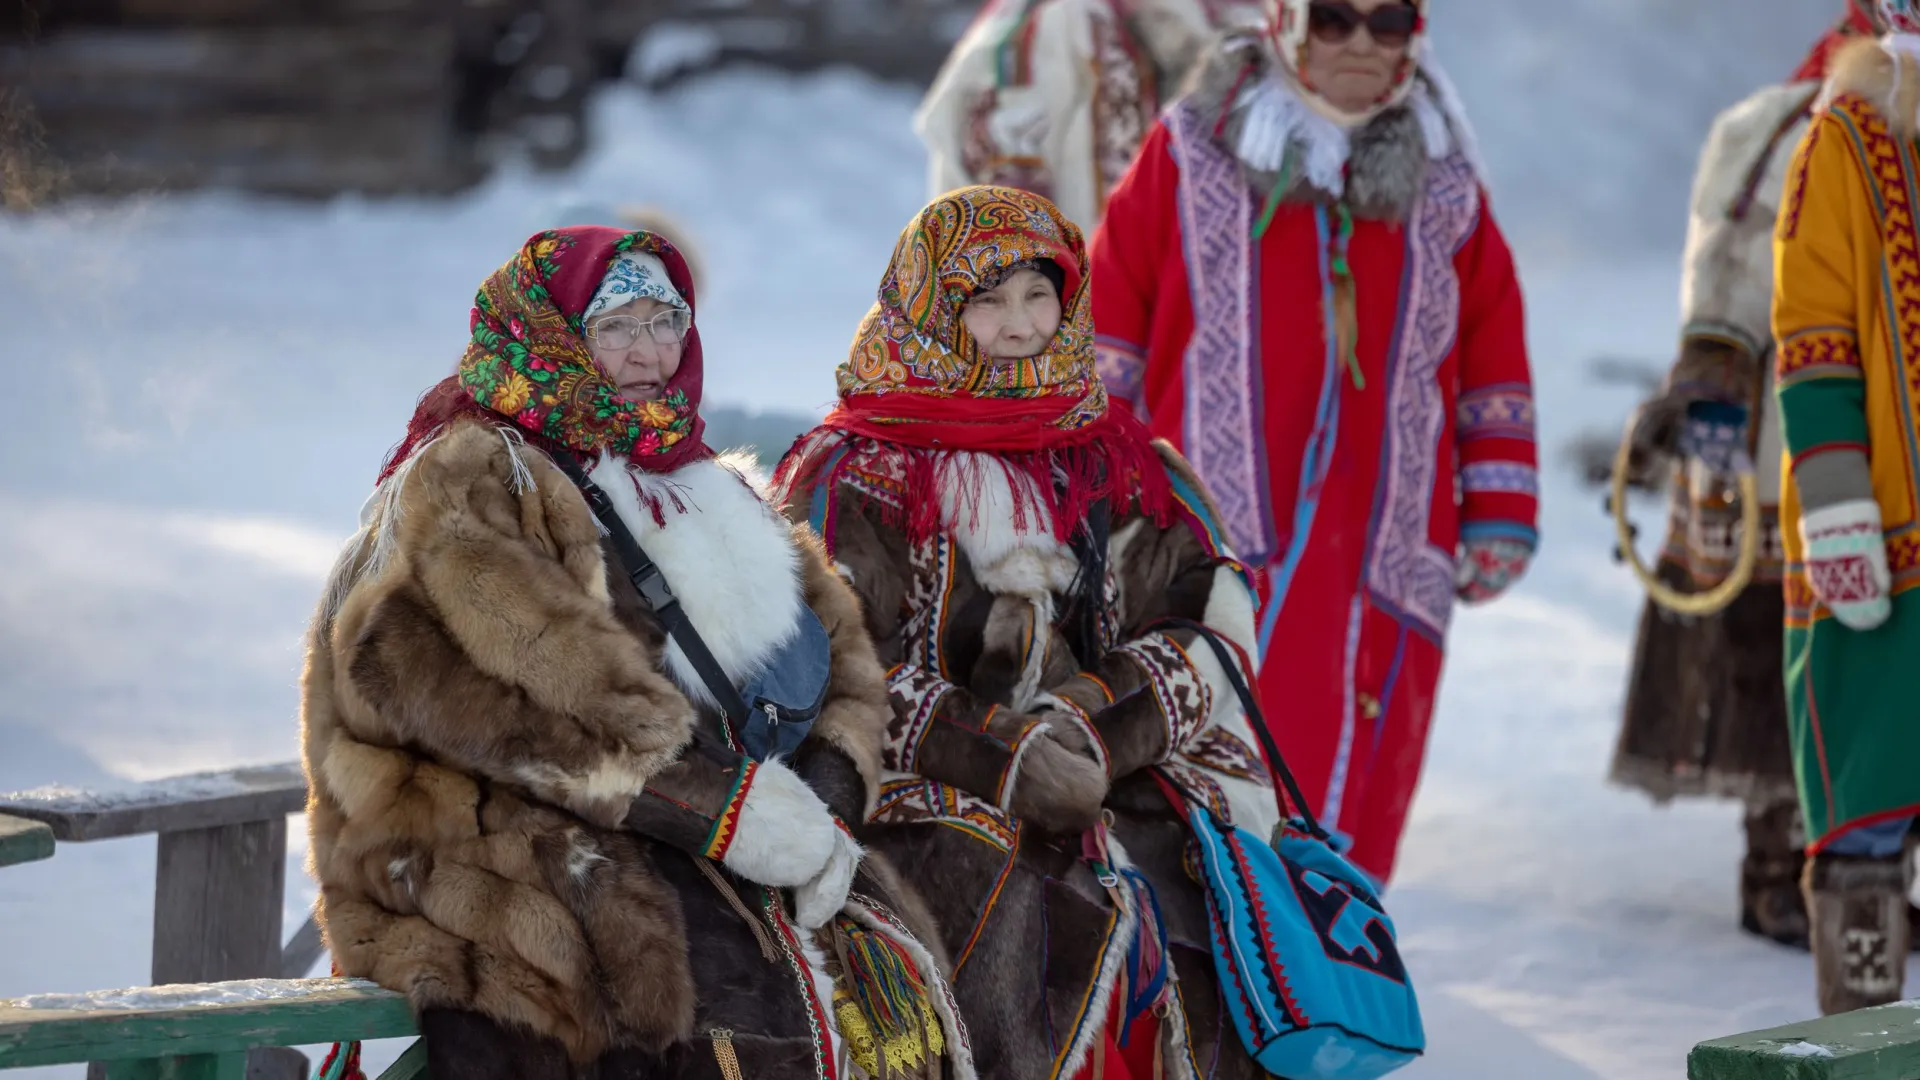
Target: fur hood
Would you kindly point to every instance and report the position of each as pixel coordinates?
(1867, 68)
(1241, 91)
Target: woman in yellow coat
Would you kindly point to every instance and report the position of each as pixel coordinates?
(1846, 317)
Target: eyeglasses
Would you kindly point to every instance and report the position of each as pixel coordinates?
(1334, 22)
(616, 332)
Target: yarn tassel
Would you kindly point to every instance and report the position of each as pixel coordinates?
(1346, 316)
(343, 1058)
(884, 1007)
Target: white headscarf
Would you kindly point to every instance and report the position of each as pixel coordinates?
(1287, 24)
(633, 275)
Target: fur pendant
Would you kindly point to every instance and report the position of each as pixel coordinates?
(1379, 167)
(1886, 73)
(729, 557)
(1007, 535)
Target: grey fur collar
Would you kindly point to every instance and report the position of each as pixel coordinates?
(1389, 156)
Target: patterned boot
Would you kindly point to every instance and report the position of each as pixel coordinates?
(1771, 904)
(1858, 910)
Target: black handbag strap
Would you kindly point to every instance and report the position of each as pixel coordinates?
(658, 595)
(1229, 659)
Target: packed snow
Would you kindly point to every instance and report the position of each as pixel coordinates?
(204, 387)
(188, 995)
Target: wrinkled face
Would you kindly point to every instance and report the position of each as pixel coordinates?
(1355, 50)
(1015, 319)
(638, 345)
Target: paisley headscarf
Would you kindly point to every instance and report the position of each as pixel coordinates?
(528, 363)
(915, 387)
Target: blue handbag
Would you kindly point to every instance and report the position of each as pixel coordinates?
(1308, 963)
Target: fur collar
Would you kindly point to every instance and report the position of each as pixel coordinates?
(1009, 542)
(1867, 68)
(1380, 167)
(730, 558)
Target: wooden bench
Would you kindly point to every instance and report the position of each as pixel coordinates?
(1881, 1043)
(24, 841)
(202, 1032)
(220, 882)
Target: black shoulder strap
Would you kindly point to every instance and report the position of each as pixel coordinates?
(658, 595)
(1230, 661)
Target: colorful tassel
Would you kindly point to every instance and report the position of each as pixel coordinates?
(884, 1009)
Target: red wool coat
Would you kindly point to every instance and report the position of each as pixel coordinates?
(1349, 496)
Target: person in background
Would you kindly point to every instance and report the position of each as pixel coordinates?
(1846, 290)
(1300, 283)
(1704, 712)
(529, 810)
(1054, 96)
(1019, 550)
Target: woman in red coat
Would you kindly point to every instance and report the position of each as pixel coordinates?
(1298, 282)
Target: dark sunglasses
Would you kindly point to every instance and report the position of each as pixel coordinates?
(1334, 22)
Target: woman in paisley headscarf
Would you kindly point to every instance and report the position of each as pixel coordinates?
(537, 809)
(1022, 552)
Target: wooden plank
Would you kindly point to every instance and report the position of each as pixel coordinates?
(198, 801)
(301, 953)
(1881, 1043)
(217, 903)
(190, 1067)
(178, 1021)
(23, 841)
(410, 1065)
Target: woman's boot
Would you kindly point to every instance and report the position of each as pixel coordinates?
(1771, 904)
(1857, 907)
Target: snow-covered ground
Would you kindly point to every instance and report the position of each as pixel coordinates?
(204, 387)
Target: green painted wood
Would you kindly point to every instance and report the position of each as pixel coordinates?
(187, 1067)
(411, 1065)
(1881, 1043)
(23, 841)
(180, 1021)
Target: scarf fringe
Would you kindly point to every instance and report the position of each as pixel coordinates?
(941, 489)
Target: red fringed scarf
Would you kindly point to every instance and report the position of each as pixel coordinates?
(1856, 23)
(915, 391)
(528, 365)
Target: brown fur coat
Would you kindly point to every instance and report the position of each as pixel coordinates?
(486, 715)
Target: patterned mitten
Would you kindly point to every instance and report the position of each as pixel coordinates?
(1715, 434)
(1488, 565)
(1847, 562)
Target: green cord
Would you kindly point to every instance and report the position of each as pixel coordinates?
(1344, 271)
(1280, 185)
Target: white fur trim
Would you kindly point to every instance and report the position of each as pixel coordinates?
(819, 900)
(1100, 1000)
(1032, 736)
(728, 556)
(1279, 115)
(786, 834)
(815, 960)
(977, 504)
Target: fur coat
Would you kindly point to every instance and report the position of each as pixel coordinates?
(991, 775)
(512, 790)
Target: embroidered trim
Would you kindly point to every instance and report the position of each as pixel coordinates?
(1222, 427)
(916, 801)
(1123, 367)
(819, 1025)
(1788, 226)
(727, 825)
(1820, 352)
(1406, 573)
(1184, 698)
(1505, 477)
(1495, 412)
(916, 695)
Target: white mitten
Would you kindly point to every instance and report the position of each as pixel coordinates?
(785, 836)
(1847, 562)
(822, 898)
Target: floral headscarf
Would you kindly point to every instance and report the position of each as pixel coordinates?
(528, 360)
(912, 351)
(919, 401)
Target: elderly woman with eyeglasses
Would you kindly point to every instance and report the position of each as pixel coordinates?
(586, 722)
(1300, 284)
